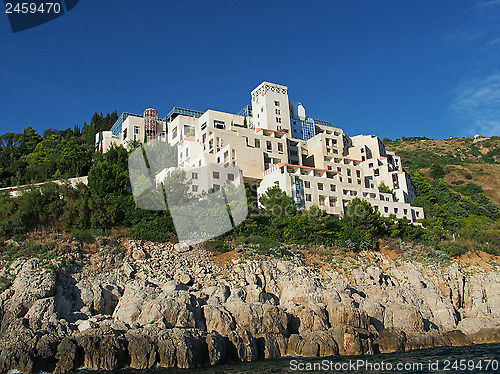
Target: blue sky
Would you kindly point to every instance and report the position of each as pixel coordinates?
(389, 68)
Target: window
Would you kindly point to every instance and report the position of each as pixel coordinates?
(405, 211)
(257, 143)
(359, 181)
(194, 187)
(370, 165)
(230, 177)
(386, 209)
(174, 133)
(137, 130)
(396, 210)
(216, 187)
(349, 172)
(376, 172)
(278, 111)
(320, 186)
(308, 197)
(277, 103)
(188, 130)
(219, 124)
(187, 152)
(307, 184)
(339, 170)
(349, 180)
(280, 147)
(269, 145)
(204, 126)
(180, 155)
(332, 187)
(216, 175)
(358, 173)
(194, 175)
(362, 158)
(124, 134)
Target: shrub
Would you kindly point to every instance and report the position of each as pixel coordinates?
(437, 171)
(458, 182)
(149, 232)
(264, 243)
(468, 176)
(454, 249)
(82, 236)
(218, 245)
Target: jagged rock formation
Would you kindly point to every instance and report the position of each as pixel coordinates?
(175, 307)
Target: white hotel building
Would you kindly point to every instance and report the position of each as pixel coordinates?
(273, 143)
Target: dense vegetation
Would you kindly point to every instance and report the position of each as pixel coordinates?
(30, 158)
(458, 215)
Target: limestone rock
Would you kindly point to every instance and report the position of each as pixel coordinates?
(243, 345)
(471, 326)
(217, 348)
(141, 349)
(218, 319)
(456, 338)
(103, 349)
(67, 356)
(271, 346)
(390, 340)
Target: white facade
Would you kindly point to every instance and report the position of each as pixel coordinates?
(328, 169)
(128, 129)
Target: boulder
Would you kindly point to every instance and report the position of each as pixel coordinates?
(271, 346)
(103, 349)
(341, 314)
(456, 338)
(390, 340)
(486, 336)
(128, 270)
(136, 293)
(67, 356)
(312, 344)
(308, 318)
(182, 247)
(243, 345)
(403, 316)
(471, 326)
(217, 348)
(141, 349)
(258, 318)
(176, 309)
(424, 340)
(218, 319)
(166, 350)
(351, 341)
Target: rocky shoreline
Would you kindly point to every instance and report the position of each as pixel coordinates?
(140, 304)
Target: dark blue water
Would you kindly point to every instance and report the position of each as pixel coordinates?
(474, 359)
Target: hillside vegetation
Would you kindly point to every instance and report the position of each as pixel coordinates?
(458, 186)
(458, 161)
